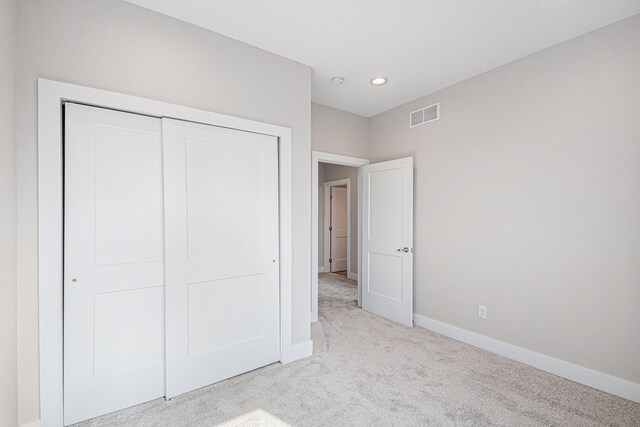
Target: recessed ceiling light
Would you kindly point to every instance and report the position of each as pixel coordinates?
(378, 81)
(337, 81)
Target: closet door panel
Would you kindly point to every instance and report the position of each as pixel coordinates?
(113, 262)
(221, 222)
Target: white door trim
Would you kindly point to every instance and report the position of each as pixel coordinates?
(599, 380)
(51, 95)
(326, 237)
(337, 159)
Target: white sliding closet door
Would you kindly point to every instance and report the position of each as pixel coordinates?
(113, 263)
(221, 246)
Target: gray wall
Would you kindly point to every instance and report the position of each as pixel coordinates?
(8, 212)
(120, 47)
(527, 200)
(338, 132)
(329, 172)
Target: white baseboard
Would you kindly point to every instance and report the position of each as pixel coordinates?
(352, 276)
(579, 374)
(302, 350)
(35, 423)
(321, 269)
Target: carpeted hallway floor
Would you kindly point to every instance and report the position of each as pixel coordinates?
(367, 371)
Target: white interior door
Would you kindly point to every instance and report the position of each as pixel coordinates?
(387, 240)
(338, 230)
(113, 262)
(221, 245)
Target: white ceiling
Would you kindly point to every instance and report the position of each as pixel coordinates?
(420, 45)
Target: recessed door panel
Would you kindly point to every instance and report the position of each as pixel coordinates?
(385, 197)
(113, 264)
(128, 195)
(384, 271)
(217, 173)
(127, 321)
(209, 305)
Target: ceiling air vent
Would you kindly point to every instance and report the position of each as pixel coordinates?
(424, 115)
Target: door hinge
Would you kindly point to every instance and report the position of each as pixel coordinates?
(331, 197)
(330, 260)
(330, 228)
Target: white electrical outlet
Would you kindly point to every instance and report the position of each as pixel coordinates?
(482, 312)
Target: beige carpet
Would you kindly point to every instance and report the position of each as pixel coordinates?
(367, 371)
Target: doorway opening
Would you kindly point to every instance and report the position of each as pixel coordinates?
(335, 221)
(383, 242)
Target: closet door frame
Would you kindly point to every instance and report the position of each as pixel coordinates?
(51, 98)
